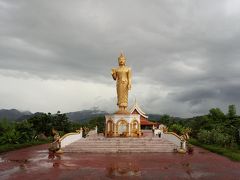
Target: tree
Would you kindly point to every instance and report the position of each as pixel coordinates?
(5, 125)
(216, 115)
(232, 113)
(42, 123)
(27, 133)
(97, 121)
(177, 128)
(60, 122)
(165, 119)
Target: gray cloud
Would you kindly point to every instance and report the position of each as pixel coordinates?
(184, 54)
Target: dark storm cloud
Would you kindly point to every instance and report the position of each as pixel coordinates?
(189, 48)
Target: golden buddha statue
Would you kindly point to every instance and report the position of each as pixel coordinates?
(122, 75)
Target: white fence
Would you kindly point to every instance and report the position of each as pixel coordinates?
(70, 138)
(172, 137)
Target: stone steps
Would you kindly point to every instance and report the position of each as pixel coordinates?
(116, 141)
(80, 143)
(123, 145)
(110, 143)
(116, 145)
(118, 149)
(165, 149)
(104, 150)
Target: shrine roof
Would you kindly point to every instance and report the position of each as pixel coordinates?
(138, 109)
(146, 122)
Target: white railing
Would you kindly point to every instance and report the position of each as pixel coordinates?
(172, 137)
(70, 138)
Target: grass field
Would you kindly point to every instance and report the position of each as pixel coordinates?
(10, 147)
(232, 153)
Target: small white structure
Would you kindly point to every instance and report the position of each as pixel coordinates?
(126, 125)
(160, 129)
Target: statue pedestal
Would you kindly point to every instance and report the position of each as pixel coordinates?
(122, 125)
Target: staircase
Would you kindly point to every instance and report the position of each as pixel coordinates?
(118, 145)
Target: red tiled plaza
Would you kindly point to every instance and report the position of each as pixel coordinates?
(37, 163)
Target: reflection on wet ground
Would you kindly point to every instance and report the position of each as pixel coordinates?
(123, 169)
(38, 163)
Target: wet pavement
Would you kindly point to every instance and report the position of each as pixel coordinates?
(37, 163)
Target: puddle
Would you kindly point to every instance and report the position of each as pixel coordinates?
(39, 158)
(185, 164)
(44, 164)
(127, 169)
(199, 175)
(19, 161)
(42, 151)
(22, 161)
(203, 152)
(5, 174)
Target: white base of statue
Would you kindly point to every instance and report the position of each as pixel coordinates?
(122, 125)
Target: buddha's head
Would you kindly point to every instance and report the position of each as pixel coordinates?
(121, 60)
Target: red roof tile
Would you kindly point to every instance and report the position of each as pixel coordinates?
(146, 122)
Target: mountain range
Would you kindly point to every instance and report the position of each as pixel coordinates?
(13, 114)
(78, 116)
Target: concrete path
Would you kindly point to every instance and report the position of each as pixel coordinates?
(35, 163)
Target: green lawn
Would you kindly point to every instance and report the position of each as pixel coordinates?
(232, 153)
(10, 147)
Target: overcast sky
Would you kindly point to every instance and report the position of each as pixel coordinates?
(58, 54)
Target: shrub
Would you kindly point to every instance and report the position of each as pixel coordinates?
(204, 136)
(177, 128)
(27, 133)
(10, 137)
(215, 137)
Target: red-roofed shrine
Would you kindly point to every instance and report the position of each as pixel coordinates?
(144, 122)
